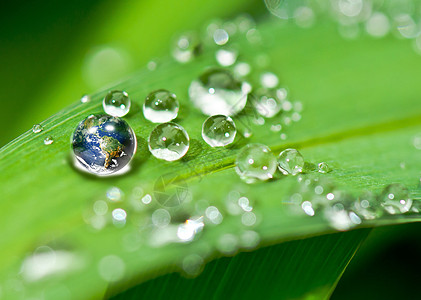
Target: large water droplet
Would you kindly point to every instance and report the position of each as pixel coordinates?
(216, 92)
(219, 131)
(255, 162)
(37, 128)
(291, 162)
(395, 199)
(103, 144)
(116, 103)
(168, 141)
(186, 47)
(160, 106)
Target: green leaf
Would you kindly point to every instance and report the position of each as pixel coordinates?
(359, 117)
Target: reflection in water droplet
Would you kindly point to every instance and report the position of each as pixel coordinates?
(37, 128)
(217, 92)
(255, 162)
(161, 218)
(290, 162)
(395, 199)
(111, 268)
(218, 131)
(48, 140)
(168, 141)
(160, 106)
(116, 103)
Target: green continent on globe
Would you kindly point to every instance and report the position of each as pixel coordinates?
(112, 148)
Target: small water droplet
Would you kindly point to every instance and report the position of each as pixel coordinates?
(377, 25)
(111, 268)
(168, 141)
(193, 265)
(323, 168)
(213, 214)
(255, 162)
(186, 47)
(48, 140)
(161, 218)
(226, 57)
(119, 216)
(220, 36)
(151, 65)
(216, 92)
(308, 208)
(100, 207)
(249, 239)
(147, 199)
(266, 102)
(116, 103)
(291, 162)
(85, 99)
(276, 127)
(218, 131)
(417, 141)
(242, 69)
(160, 106)
(269, 80)
(367, 206)
(395, 199)
(187, 231)
(248, 218)
(37, 128)
(228, 244)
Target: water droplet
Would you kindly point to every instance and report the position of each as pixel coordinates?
(100, 207)
(103, 144)
(116, 103)
(304, 17)
(220, 36)
(161, 218)
(417, 141)
(377, 25)
(111, 268)
(168, 141)
(48, 140)
(276, 127)
(249, 239)
(244, 203)
(255, 162)
(187, 231)
(266, 102)
(307, 208)
(242, 69)
(160, 106)
(151, 65)
(291, 162)
(216, 92)
(339, 218)
(114, 194)
(248, 218)
(226, 57)
(395, 199)
(119, 216)
(213, 214)
(37, 128)
(367, 206)
(323, 168)
(85, 99)
(193, 264)
(218, 131)
(269, 80)
(186, 47)
(147, 199)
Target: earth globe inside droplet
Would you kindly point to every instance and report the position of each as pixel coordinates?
(103, 144)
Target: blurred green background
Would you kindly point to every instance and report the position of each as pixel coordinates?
(53, 52)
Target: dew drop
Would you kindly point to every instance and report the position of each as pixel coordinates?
(228, 244)
(395, 199)
(161, 218)
(213, 214)
(100, 207)
(147, 199)
(186, 47)
(226, 57)
(111, 268)
(269, 80)
(151, 65)
(218, 131)
(85, 99)
(323, 168)
(249, 239)
(248, 219)
(216, 92)
(114, 194)
(308, 208)
(187, 231)
(116, 103)
(48, 140)
(193, 265)
(119, 215)
(37, 128)
(255, 162)
(290, 162)
(160, 106)
(377, 25)
(168, 141)
(242, 69)
(267, 102)
(220, 36)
